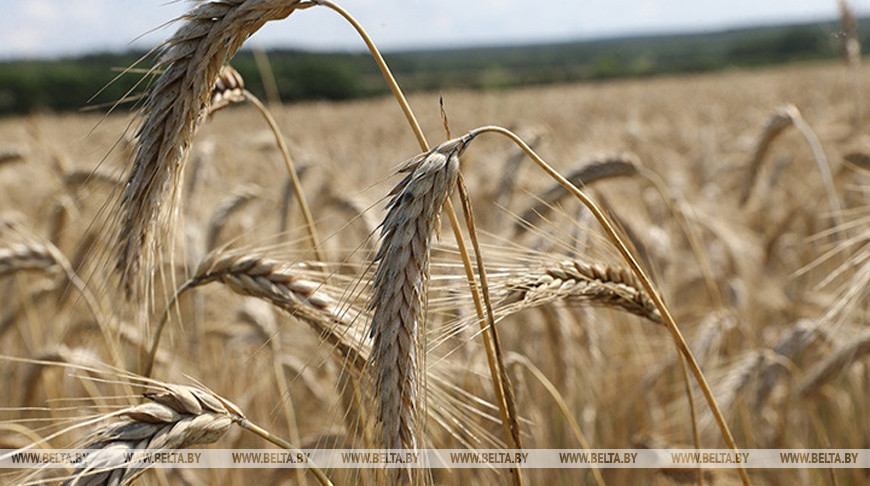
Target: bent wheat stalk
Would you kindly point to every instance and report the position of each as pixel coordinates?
(495, 353)
(230, 89)
(609, 228)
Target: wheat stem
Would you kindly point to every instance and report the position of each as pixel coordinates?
(294, 177)
(563, 407)
(696, 437)
(265, 434)
(608, 227)
(489, 324)
(155, 341)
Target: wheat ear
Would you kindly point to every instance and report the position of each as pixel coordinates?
(595, 284)
(21, 257)
(783, 118)
(835, 364)
(400, 285)
(498, 385)
(284, 286)
(229, 89)
(606, 167)
(175, 417)
(209, 35)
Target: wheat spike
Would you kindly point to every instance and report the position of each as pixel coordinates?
(229, 89)
(606, 167)
(209, 35)
(400, 286)
(175, 417)
(773, 127)
(596, 284)
(285, 286)
(32, 256)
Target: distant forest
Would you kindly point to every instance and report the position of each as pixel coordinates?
(78, 83)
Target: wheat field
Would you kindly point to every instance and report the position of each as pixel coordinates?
(716, 182)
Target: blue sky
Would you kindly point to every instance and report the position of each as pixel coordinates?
(50, 28)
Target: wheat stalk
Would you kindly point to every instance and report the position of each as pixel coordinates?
(513, 167)
(642, 276)
(400, 286)
(498, 385)
(209, 35)
(233, 202)
(229, 89)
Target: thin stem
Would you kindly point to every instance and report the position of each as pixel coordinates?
(668, 319)
(563, 406)
(673, 205)
(155, 341)
(696, 437)
(487, 337)
(496, 358)
(294, 177)
(510, 401)
(385, 71)
(256, 429)
(286, 398)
